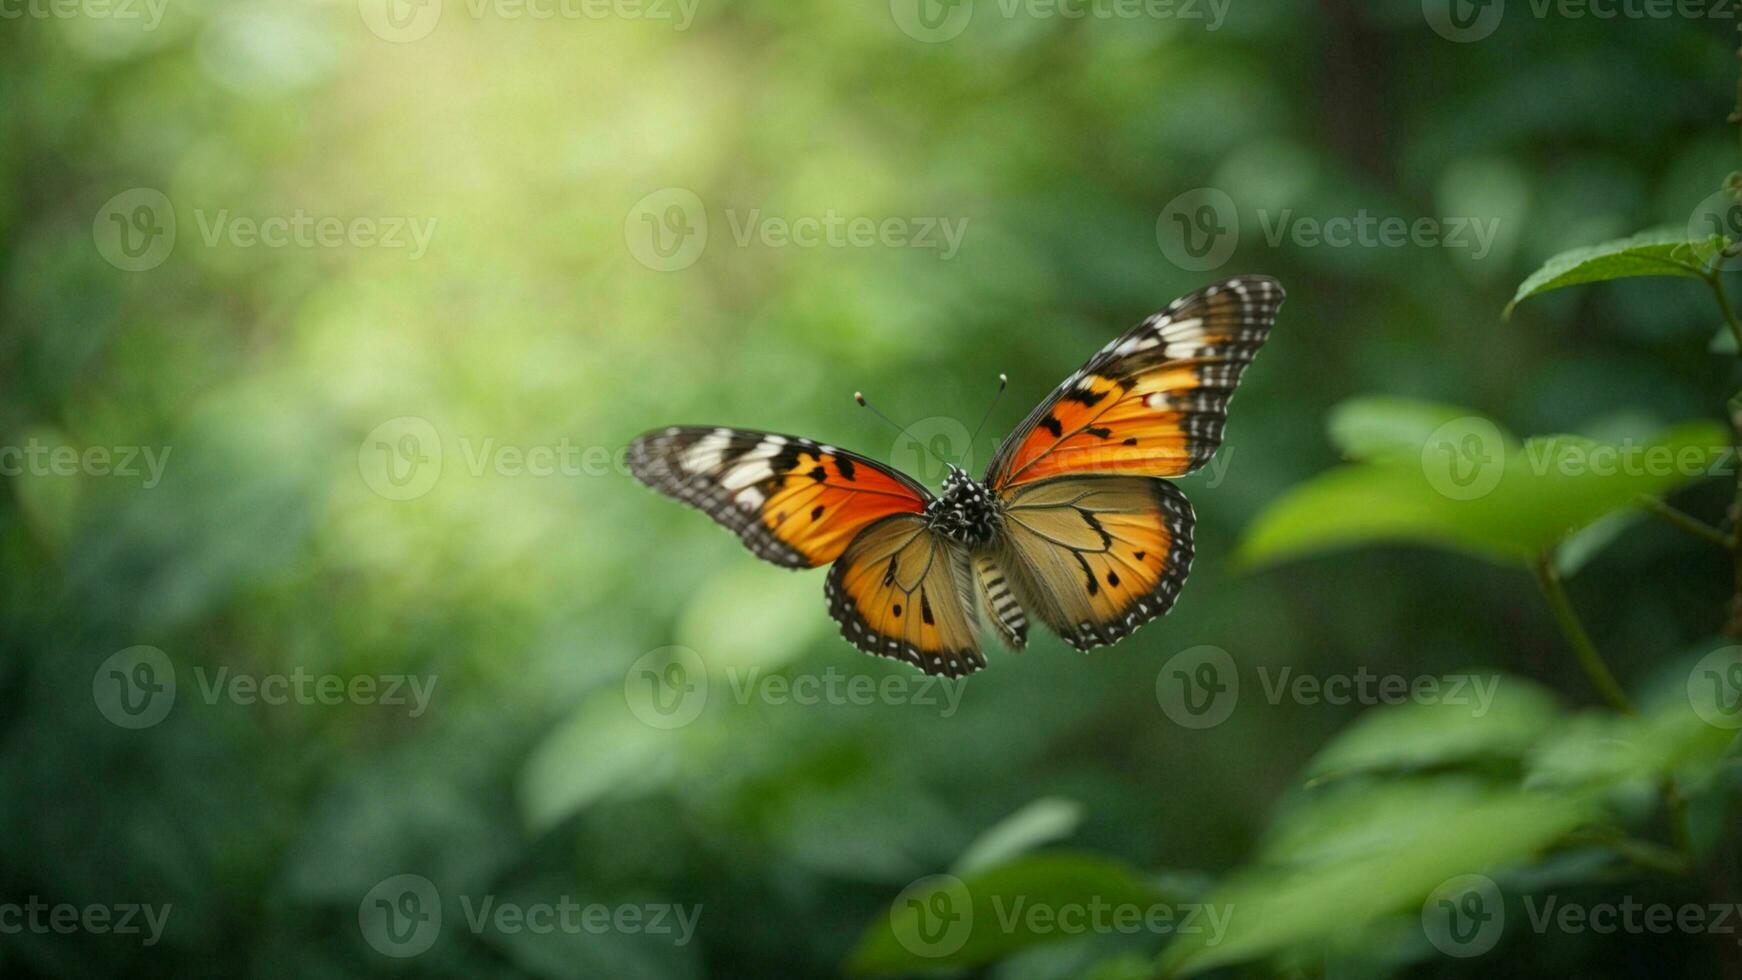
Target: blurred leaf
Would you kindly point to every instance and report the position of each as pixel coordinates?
(1337, 865)
(1469, 491)
(999, 902)
(1472, 716)
(1372, 427)
(1040, 822)
(1661, 252)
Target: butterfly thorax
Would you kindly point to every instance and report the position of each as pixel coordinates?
(967, 512)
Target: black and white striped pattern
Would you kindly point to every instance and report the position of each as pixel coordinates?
(1001, 604)
(721, 472)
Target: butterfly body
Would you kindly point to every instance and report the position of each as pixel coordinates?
(967, 512)
(1074, 521)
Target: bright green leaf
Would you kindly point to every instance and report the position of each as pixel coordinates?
(1383, 426)
(1662, 252)
(1338, 865)
(1468, 489)
(1042, 821)
(1462, 717)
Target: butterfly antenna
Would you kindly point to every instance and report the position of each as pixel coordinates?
(1003, 382)
(897, 426)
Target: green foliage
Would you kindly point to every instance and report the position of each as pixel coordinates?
(1469, 486)
(1663, 252)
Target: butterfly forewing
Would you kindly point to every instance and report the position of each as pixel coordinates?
(1095, 557)
(904, 591)
(795, 502)
(1155, 400)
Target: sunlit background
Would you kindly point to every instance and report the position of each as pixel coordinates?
(373, 295)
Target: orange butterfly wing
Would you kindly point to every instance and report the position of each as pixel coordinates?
(795, 502)
(1154, 401)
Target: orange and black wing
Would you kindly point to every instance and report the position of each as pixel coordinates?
(795, 502)
(1095, 557)
(1154, 401)
(904, 591)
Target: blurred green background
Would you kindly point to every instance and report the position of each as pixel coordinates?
(347, 420)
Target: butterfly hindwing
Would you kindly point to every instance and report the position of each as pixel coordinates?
(1095, 557)
(795, 502)
(904, 591)
(1154, 401)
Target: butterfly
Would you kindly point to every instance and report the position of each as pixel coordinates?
(1072, 523)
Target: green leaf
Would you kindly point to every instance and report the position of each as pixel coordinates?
(1005, 909)
(1465, 717)
(1337, 865)
(1661, 252)
(1042, 821)
(1469, 489)
(1386, 426)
